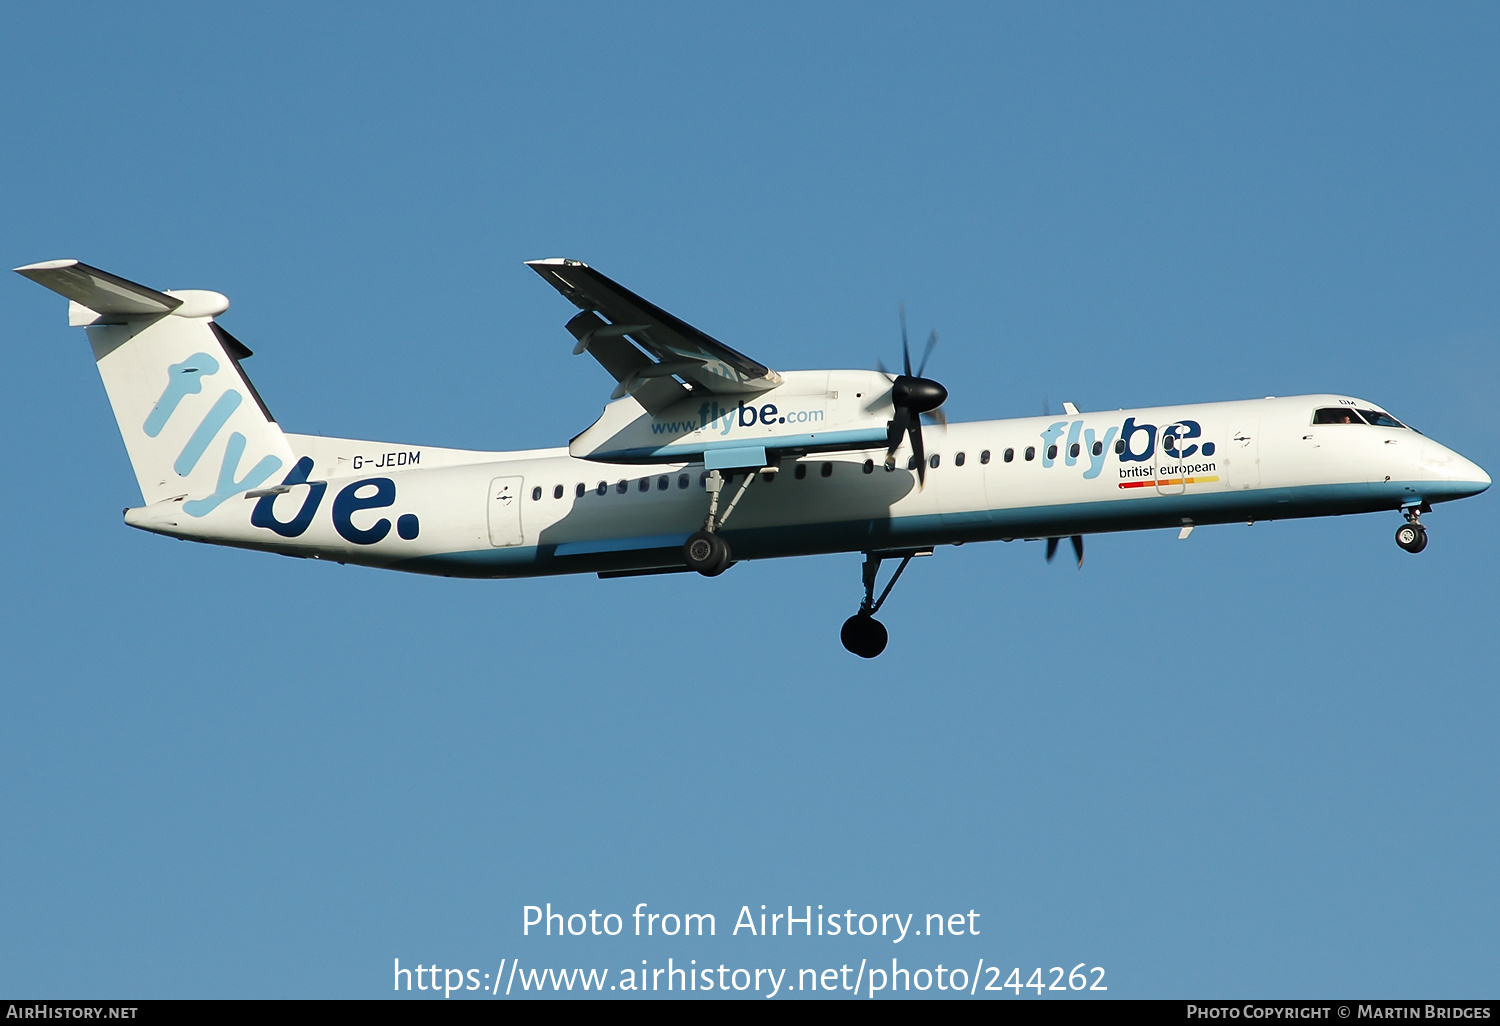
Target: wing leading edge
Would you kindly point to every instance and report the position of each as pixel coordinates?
(656, 358)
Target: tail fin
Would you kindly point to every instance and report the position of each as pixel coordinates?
(192, 422)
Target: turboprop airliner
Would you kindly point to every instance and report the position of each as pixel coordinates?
(704, 457)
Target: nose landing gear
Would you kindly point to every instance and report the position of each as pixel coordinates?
(1412, 536)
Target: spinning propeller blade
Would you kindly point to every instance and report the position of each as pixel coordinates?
(894, 433)
(914, 430)
(931, 342)
(912, 395)
(905, 349)
(1077, 541)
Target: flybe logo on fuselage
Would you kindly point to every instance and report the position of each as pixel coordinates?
(723, 421)
(1179, 448)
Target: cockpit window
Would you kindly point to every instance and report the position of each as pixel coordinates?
(1336, 415)
(1381, 419)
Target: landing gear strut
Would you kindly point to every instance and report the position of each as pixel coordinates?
(704, 550)
(862, 634)
(1412, 536)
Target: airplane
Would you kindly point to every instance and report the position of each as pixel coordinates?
(839, 460)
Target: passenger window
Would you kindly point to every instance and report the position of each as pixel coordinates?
(1074, 450)
(1381, 419)
(958, 459)
(768, 477)
(557, 492)
(934, 460)
(1098, 449)
(603, 487)
(1336, 415)
(911, 464)
(800, 472)
(662, 483)
(645, 484)
(1052, 452)
(1119, 446)
(1030, 453)
(984, 457)
(536, 493)
(622, 487)
(703, 479)
(682, 480)
(1010, 455)
(869, 467)
(827, 470)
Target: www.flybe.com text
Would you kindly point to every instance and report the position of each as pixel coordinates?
(712, 415)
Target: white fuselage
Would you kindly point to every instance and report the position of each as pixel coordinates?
(516, 514)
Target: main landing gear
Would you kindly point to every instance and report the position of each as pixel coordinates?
(1412, 536)
(862, 634)
(705, 551)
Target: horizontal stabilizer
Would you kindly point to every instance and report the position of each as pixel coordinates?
(100, 291)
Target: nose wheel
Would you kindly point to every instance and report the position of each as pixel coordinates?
(1412, 536)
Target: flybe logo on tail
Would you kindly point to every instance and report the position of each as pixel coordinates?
(185, 379)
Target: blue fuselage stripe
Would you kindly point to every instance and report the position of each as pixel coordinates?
(1146, 512)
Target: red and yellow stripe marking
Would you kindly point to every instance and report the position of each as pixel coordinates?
(1170, 482)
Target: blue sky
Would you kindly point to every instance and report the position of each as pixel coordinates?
(1257, 762)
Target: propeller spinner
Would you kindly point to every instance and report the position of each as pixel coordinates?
(912, 395)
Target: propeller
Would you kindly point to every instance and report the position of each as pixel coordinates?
(912, 395)
(1077, 540)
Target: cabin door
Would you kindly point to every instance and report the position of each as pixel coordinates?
(1241, 454)
(505, 511)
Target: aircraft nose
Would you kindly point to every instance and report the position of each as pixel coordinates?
(1476, 476)
(1454, 474)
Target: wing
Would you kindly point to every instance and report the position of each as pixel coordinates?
(655, 357)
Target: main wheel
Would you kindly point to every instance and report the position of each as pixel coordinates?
(1411, 537)
(706, 553)
(864, 635)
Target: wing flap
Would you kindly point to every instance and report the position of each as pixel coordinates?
(626, 364)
